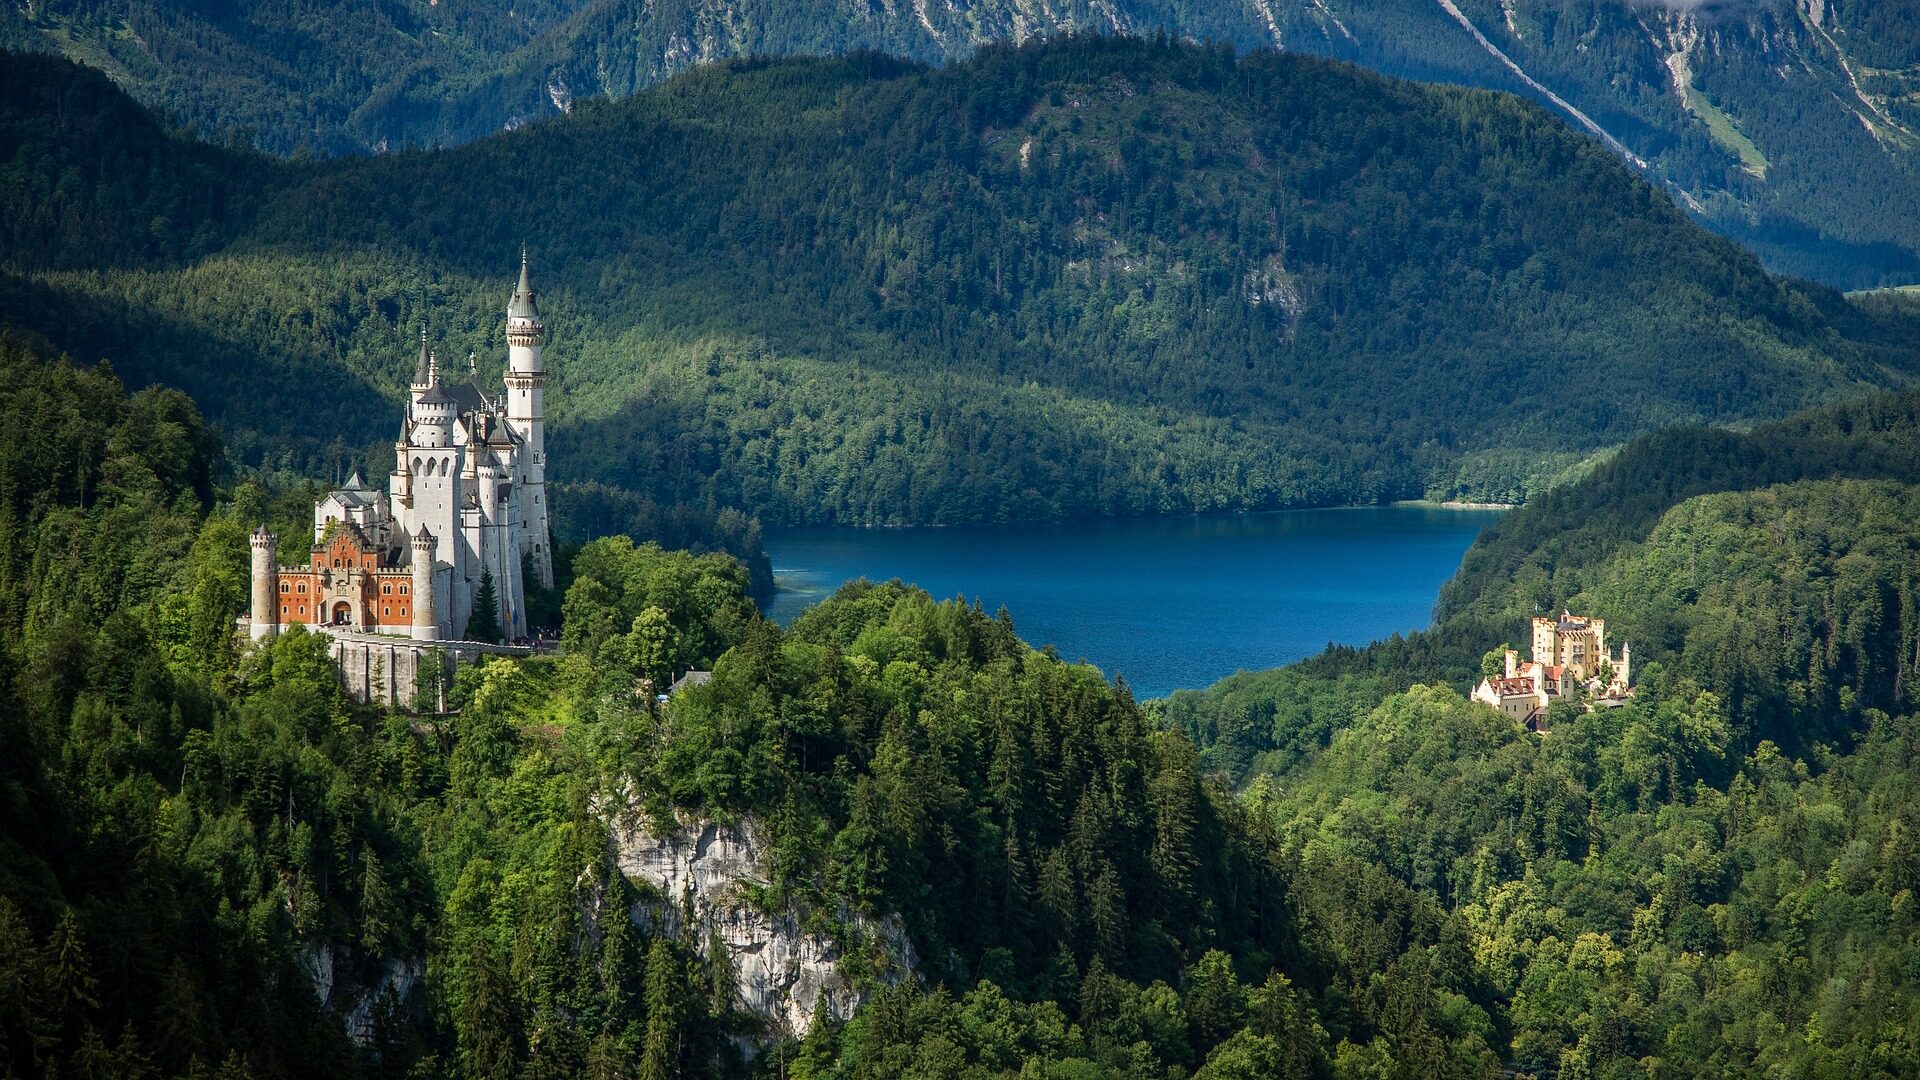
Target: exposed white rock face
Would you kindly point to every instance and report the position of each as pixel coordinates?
(316, 962)
(400, 976)
(782, 972)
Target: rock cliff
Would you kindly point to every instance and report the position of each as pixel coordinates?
(358, 1004)
(704, 875)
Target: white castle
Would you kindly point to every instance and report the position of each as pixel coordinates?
(466, 505)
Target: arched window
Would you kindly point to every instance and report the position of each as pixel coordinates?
(416, 464)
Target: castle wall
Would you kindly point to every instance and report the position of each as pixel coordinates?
(436, 496)
(389, 671)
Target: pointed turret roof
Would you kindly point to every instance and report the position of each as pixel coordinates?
(356, 482)
(523, 305)
(423, 372)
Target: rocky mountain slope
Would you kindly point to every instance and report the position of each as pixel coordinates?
(1787, 124)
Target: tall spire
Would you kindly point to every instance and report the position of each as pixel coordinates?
(522, 306)
(423, 372)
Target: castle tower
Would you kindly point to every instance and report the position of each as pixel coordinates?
(401, 483)
(265, 609)
(433, 412)
(423, 371)
(426, 624)
(526, 381)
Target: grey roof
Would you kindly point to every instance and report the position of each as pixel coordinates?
(523, 305)
(691, 678)
(469, 397)
(487, 429)
(356, 482)
(436, 395)
(353, 496)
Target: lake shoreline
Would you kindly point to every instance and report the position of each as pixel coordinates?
(1411, 504)
(1168, 602)
(1453, 504)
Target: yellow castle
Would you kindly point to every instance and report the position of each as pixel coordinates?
(1569, 651)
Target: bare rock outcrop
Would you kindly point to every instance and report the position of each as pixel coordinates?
(783, 971)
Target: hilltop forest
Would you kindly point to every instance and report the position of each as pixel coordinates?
(1084, 277)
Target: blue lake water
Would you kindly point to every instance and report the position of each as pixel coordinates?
(1168, 603)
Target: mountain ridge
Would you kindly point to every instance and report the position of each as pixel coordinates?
(1088, 277)
(1788, 126)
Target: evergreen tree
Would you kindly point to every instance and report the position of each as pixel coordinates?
(71, 987)
(376, 904)
(485, 1020)
(660, 1056)
(484, 625)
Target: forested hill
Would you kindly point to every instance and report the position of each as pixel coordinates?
(1792, 125)
(1713, 879)
(1094, 276)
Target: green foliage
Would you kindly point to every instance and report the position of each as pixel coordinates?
(1083, 277)
(916, 756)
(1632, 904)
(1538, 557)
(641, 613)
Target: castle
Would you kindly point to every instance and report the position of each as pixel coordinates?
(465, 508)
(1568, 652)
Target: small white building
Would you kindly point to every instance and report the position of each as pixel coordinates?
(1525, 691)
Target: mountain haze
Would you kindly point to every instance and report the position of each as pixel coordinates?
(1097, 276)
(1787, 124)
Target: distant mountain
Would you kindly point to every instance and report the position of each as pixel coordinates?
(1789, 125)
(1090, 277)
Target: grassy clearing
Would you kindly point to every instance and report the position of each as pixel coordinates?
(1728, 134)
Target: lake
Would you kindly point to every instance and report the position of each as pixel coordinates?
(1168, 603)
